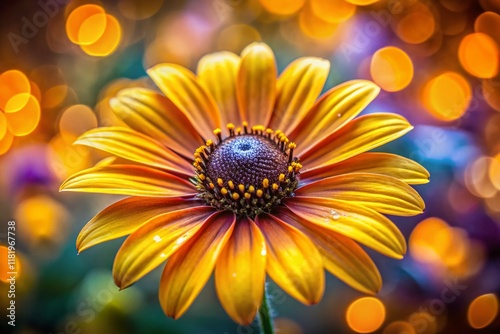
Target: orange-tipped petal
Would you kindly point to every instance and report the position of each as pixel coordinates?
(371, 162)
(217, 73)
(128, 180)
(154, 242)
(151, 113)
(126, 216)
(332, 111)
(364, 225)
(240, 272)
(358, 136)
(293, 262)
(297, 89)
(134, 146)
(183, 88)
(381, 193)
(188, 270)
(342, 257)
(256, 84)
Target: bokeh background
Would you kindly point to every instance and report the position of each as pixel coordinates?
(436, 61)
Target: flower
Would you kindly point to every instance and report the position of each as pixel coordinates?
(255, 202)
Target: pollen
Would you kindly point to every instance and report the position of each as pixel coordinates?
(248, 172)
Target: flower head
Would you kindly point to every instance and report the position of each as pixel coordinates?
(237, 171)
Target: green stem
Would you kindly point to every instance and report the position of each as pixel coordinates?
(266, 323)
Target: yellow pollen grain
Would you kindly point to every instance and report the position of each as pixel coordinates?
(202, 177)
(223, 191)
(209, 142)
(281, 178)
(236, 196)
(211, 185)
(217, 131)
(265, 183)
(230, 184)
(251, 189)
(290, 169)
(230, 126)
(241, 187)
(260, 193)
(292, 145)
(275, 186)
(238, 130)
(247, 196)
(220, 182)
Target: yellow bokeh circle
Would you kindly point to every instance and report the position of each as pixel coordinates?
(447, 96)
(391, 68)
(365, 315)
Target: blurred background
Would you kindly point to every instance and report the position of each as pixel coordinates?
(436, 61)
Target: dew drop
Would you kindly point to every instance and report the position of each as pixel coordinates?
(335, 214)
(182, 239)
(157, 238)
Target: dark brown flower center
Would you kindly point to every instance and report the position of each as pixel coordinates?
(249, 172)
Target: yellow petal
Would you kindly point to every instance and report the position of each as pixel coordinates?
(134, 146)
(371, 162)
(183, 88)
(256, 85)
(154, 115)
(381, 193)
(217, 73)
(128, 180)
(364, 225)
(293, 262)
(188, 270)
(358, 136)
(297, 89)
(154, 242)
(334, 109)
(126, 216)
(240, 272)
(342, 257)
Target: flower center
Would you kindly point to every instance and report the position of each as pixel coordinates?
(248, 172)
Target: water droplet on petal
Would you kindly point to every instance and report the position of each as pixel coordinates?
(263, 252)
(182, 238)
(335, 214)
(157, 238)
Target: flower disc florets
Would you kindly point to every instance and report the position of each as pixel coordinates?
(248, 172)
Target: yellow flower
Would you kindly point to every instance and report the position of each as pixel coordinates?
(284, 188)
